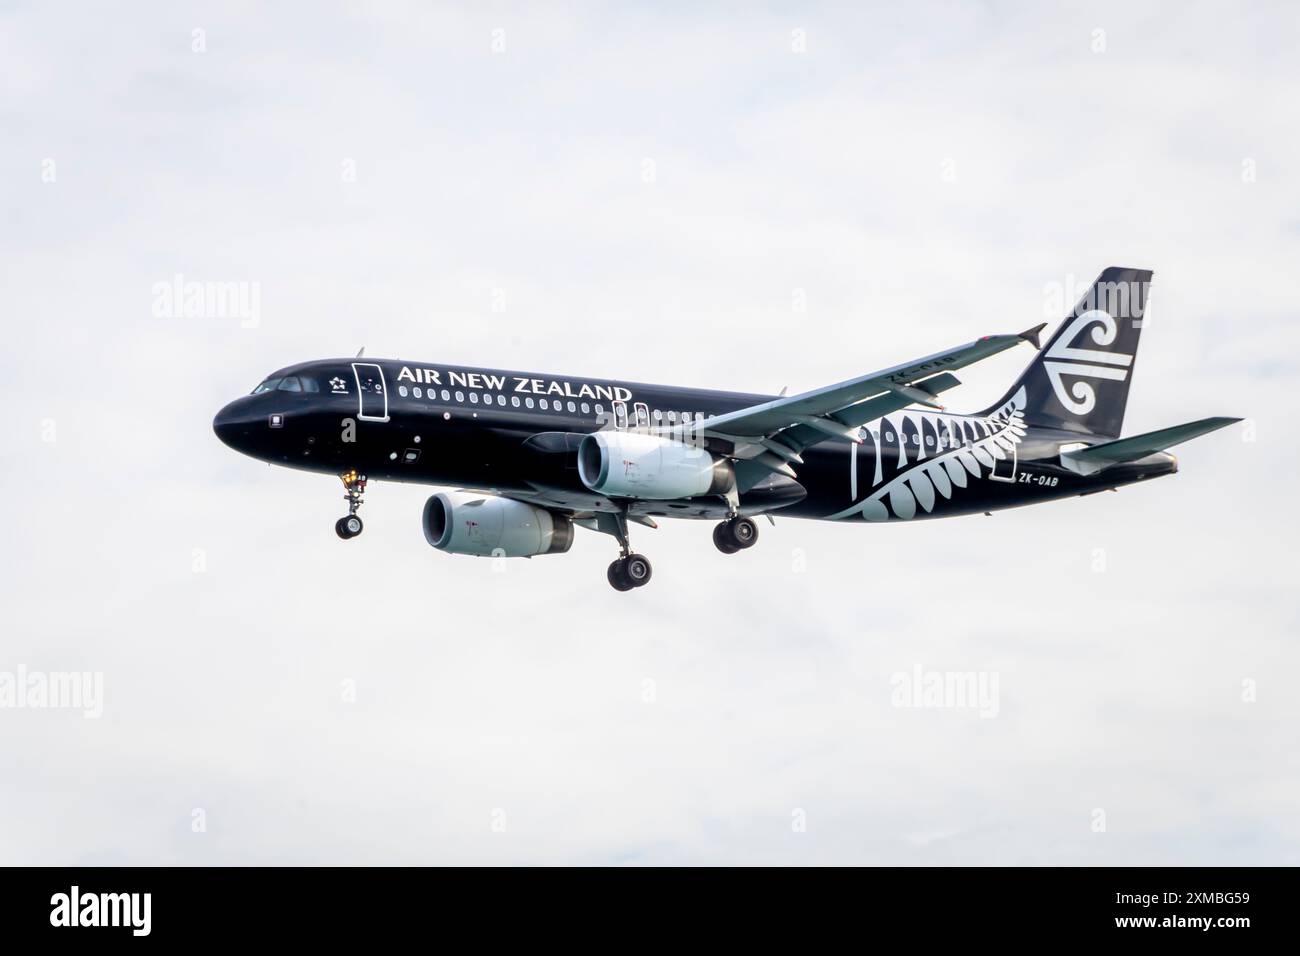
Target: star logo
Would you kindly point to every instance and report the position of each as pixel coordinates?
(338, 385)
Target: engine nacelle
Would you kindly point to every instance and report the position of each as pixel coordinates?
(462, 522)
(637, 465)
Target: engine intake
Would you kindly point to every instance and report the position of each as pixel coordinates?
(637, 465)
(461, 522)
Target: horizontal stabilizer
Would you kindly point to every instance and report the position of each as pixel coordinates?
(1088, 461)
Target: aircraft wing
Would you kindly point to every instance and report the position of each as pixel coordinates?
(774, 433)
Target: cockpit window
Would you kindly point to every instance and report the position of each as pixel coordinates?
(289, 383)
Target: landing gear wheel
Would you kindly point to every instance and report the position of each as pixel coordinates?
(743, 532)
(636, 568)
(735, 534)
(617, 576)
(348, 527)
(722, 539)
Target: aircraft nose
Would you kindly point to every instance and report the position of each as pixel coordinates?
(228, 424)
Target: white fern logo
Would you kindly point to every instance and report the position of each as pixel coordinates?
(1082, 363)
(964, 449)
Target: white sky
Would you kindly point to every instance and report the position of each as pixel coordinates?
(520, 693)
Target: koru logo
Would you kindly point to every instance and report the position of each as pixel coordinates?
(338, 385)
(1081, 397)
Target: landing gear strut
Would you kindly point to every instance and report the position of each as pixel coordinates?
(735, 534)
(354, 485)
(630, 570)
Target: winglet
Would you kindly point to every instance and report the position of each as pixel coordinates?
(1031, 335)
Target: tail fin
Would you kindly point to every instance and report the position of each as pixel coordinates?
(1080, 381)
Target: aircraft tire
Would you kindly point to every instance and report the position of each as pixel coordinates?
(722, 539)
(743, 532)
(617, 576)
(636, 568)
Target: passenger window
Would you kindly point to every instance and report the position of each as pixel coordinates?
(446, 395)
(401, 390)
(572, 407)
(672, 416)
(620, 415)
(642, 415)
(460, 396)
(501, 400)
(528, 402)
(290, 384)
(585, 408)
(544, 403)
(419, 392)
(473, 398)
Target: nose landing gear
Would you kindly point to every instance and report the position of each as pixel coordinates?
(735, 534)
(354, 485)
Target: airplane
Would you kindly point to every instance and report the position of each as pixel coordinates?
(532, 456)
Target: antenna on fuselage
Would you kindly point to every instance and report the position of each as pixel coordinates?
(361, 351)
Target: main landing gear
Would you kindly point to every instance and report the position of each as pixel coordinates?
(735, 534)
(350, 526)
(630, 570)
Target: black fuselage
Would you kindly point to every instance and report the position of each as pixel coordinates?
(516, 433)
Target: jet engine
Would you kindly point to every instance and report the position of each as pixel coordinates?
(637, 465)
(462, 522)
